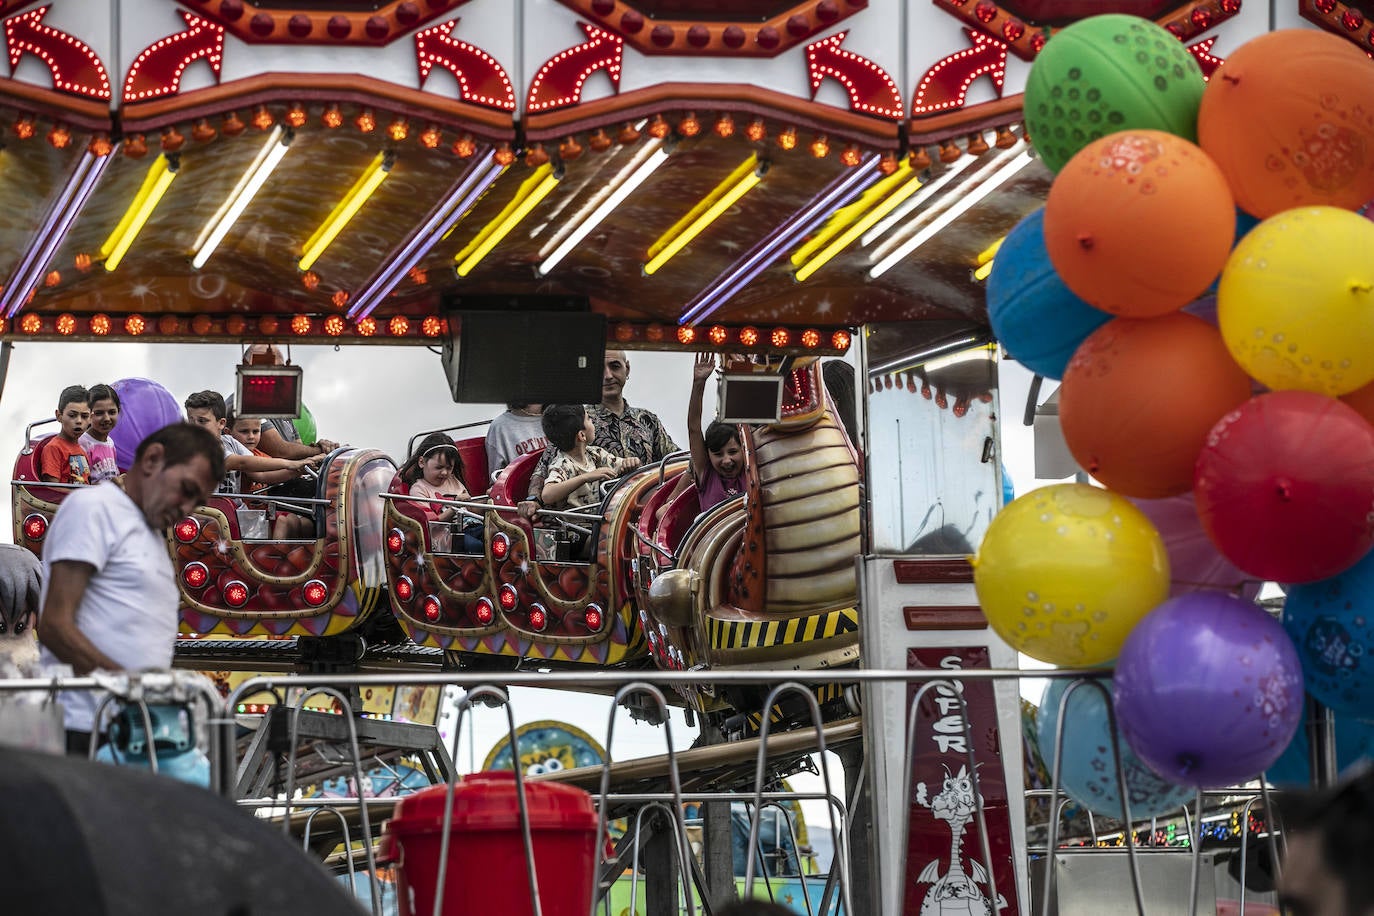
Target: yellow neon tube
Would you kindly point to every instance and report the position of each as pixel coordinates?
(531, 192)
(984, 269)
(701, 206)
(346, 209)
(155, 184)
(705, 218)
(990, 252)
(862, 225)
(844, 217)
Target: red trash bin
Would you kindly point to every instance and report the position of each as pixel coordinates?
(486, 858)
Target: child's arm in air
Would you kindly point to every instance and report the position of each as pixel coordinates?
(696, 440)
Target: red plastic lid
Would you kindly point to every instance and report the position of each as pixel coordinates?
(487, 801)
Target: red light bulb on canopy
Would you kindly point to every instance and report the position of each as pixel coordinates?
(840, 340)
(718, 335)
(686, 335)
(398, 326)
(334, 325)
(811, 338)
(749, 336)
(395, 540)
(484, 610)
(431, 608)
(508, 597)
(405, 589)
(781, 337)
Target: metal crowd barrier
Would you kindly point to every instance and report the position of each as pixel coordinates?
(493, 689)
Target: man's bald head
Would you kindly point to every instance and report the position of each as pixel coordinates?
(613, 379)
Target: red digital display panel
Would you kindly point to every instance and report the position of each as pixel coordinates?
(268, 392)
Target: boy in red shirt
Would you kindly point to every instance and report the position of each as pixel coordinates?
(64, 460)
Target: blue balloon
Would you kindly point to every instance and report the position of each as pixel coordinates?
(1032, 312)
(1244, 223)
(1332, 625)
(1354, 742)
(1088, 774)
(144, 408)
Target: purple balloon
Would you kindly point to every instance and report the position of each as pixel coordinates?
(1195, 564)
(144, 408)
(1208, 690)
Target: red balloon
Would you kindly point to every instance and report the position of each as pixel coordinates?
(1139, 223)
(1285, 486)
(1140, 395)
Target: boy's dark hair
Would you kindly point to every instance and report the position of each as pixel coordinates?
(562, 423)
(518, 405)
(208, 400)
(103, 393)
(1342, 816)
(718, 434)
(72, 394)
(410, 471)
(182, 442)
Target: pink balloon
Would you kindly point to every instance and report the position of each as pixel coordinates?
(1195, 564)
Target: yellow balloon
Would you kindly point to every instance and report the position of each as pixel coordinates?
(1296, 301)
(1066, 571)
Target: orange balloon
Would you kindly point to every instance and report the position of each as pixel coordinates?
(1289, 119)
(1139, 223)
(1139, 397)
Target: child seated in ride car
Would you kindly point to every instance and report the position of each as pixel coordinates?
(206, 408)
(286, 525)
(579, 467)
(435, 471)
(64, 460)
(105, 406)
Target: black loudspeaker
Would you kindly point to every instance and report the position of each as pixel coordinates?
(535, 357)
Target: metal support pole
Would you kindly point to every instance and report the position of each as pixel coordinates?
(720, 858)
(862, 863)
(660, 862)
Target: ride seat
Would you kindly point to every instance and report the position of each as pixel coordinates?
(513, 486)
(473, 453)
(677, 518)
(28, 469)
(648, 516)
(419, 511)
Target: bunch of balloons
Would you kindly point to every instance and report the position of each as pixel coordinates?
(1232, 435)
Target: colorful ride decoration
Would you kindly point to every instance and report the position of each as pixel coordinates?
(769, 578)
(322, 587)
(505, 602)
(1274, 485)
(544, 747)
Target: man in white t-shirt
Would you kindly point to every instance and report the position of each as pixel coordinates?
(109, 597)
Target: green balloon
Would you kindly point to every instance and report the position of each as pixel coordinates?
(305, 426)
(1109, 73)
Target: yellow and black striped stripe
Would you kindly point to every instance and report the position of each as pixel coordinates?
(827, 693)
(756, 634)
